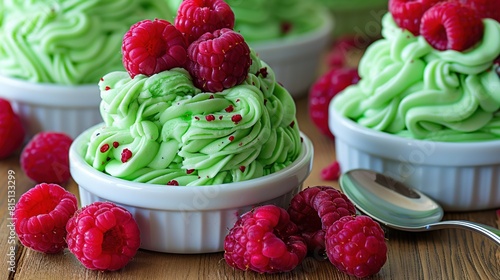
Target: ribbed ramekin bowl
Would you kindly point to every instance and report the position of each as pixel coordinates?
(460, 176)
(50, 107)
(296, 60)
(181, 219)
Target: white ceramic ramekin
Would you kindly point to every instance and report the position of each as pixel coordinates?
(460, 176)
(187, 220)
(296, 60)
(49, 107)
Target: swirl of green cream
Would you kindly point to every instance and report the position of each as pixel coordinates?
(410, 89)
(68, 42)
(175, 132)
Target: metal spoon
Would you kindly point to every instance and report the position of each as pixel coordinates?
(400, 207)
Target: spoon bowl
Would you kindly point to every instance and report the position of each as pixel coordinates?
(398, 206)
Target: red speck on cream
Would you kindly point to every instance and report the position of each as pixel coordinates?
(126, 155)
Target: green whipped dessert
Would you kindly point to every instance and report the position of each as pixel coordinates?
(178, 126)
(411, 89)
(68, 42)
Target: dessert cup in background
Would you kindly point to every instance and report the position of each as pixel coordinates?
(52, 107)
(296, 60)
(460, 176)
(359, 18)
(187, 219)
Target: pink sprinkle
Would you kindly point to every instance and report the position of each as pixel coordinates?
(104, 148)
(126, 155)
(173, 183)
(107, 88)
(331, 172)
(236, 118)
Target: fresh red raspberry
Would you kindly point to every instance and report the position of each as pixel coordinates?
(219, 60)
(11, 130)
(103, 236)
(356, 246)
(408, 13)
(45, 159)
(451, 26)
(322, 92)
(197, 17)
(153, 46)
(485, 8)
(41, 215)
(264, 240)
(331, 172)
(316, 208)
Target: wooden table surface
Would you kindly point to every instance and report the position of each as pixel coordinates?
(444, 254)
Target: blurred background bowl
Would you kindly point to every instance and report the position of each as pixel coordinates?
(50, 107)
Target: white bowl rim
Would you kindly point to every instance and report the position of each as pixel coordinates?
(182, 198)
(57, 95)
(282, 44)
(415, 151)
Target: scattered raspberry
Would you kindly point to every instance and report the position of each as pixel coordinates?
(331, 172)
(11, 130)
(197, 17)
(153, 46)
(485, 8)
(103, 236)
(314, 209)
(451, 26)
(356, 246)
(219, 60)
(264, 240)
(41, 215)
(322, 92)
(45, 159)
(408, 13)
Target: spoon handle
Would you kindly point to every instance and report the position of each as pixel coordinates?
(488, 231)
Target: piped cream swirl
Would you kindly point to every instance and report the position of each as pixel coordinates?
(410, 89)
(177, 133)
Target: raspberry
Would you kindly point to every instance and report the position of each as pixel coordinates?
(322, 92)
(451, 26)
(11, 130)
(356, 246)
(197, 17)
(314, 209)
(264, 240)
(41, 215)
(485, 8)
(45, 159)
(103, 236)
(331, 172)
(153, 46)
(408, 13)
(219, 60)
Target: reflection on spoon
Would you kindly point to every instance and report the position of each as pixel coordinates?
(400, 207)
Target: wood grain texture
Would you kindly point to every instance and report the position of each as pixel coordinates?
(445, 254)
